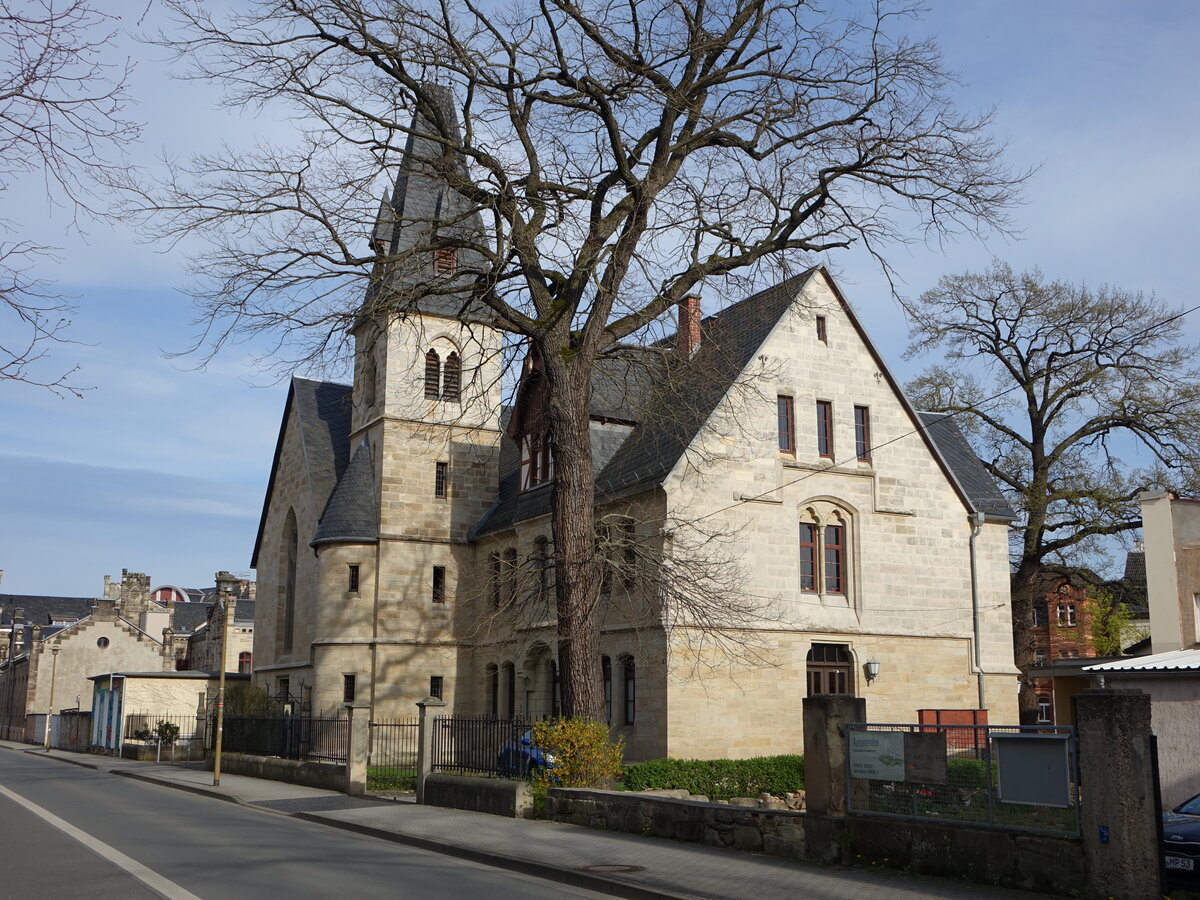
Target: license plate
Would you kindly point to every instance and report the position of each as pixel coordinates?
(1180, 864)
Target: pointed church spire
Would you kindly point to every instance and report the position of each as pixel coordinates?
(427, 228)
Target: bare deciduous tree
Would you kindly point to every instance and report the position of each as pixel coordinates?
(619, 155)
(61, 118)
(1057, 383)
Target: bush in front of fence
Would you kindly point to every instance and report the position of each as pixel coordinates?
(719, 779)
(584, 754)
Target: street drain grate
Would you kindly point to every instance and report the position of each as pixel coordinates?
(611, 869)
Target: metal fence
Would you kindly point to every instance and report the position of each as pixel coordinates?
(392, 764)
(289, 737)
(951, 773)
(172, 737)
(480, 745)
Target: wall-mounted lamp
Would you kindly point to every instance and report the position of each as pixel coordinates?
(871, 668)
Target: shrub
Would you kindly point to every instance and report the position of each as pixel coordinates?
(167, 732)
(245, 699)
(719, 779)
(967, 773)
(584, 754)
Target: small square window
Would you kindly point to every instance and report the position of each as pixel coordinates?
(435, 686)
(353, 586)
(349, 688)
(441, 479)
(439, 584)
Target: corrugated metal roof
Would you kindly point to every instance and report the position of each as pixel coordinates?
(1171, 661)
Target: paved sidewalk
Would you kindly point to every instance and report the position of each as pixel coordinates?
(617, 864)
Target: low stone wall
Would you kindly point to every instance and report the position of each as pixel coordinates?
(990, 856)
(497, 796)
(329, 776)
(773, 831)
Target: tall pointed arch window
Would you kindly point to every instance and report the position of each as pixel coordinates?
(451, 378)
(433, 375)
(291, 541)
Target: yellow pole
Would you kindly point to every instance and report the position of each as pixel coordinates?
(227, 607)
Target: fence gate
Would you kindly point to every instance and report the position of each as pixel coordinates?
(1018, 778)
(392, 761)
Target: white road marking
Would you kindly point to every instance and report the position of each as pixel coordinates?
(148, 877)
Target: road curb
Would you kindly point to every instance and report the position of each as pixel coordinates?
(199, 789)
(41, 754)
(573, 877)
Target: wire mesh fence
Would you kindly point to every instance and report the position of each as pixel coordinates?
(288, 737)
(953, 773)
(480, 745)
(392, 764)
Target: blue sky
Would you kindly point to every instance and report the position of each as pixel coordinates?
(162, 467)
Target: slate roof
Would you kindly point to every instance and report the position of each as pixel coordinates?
(421, 204)
(323, 412)
(350, 514)
(38, 609)
(649, 386)
(965, 466)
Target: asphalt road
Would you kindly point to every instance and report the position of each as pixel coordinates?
(70, 832)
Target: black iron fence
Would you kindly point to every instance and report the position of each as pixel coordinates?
(478, 745)
(392, 763)
(1012, 777)
(289, 737)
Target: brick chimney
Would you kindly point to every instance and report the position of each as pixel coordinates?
(688, 335)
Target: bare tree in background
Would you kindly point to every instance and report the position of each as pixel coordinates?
(61, 119)
(1057, 384)
(620, 156)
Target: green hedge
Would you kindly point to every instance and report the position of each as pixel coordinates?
(719, 779)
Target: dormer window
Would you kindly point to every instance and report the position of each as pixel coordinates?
(445, 261)
(537, 461)
(529, 428)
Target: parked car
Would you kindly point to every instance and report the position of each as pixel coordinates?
(1181, 843)
(522, 758)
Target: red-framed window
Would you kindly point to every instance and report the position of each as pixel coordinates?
(787, 424)
(808, 558)
(445, 261)
(245, 662)
(835, 559)
(862, 433)
(825, 428)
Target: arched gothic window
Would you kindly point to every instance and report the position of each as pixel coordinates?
(451, 378)
(433, 375)
(826, 562)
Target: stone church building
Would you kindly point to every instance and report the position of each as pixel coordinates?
(778, 518)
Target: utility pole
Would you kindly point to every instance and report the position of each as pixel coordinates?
(227, 605)
(53, 672)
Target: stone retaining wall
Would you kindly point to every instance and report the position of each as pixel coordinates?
(328, 776)
(497, 796)
(988, 855)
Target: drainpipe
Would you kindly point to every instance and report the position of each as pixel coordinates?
(976, 527)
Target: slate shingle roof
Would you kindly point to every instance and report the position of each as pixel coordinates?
(670, 400)
(350, 514)
(323, 412)
(38, 609)
(965, 466)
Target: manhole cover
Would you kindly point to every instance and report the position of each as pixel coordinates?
(612, 869)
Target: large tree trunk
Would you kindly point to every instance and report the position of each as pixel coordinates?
(1028, 586)
(577, 572)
